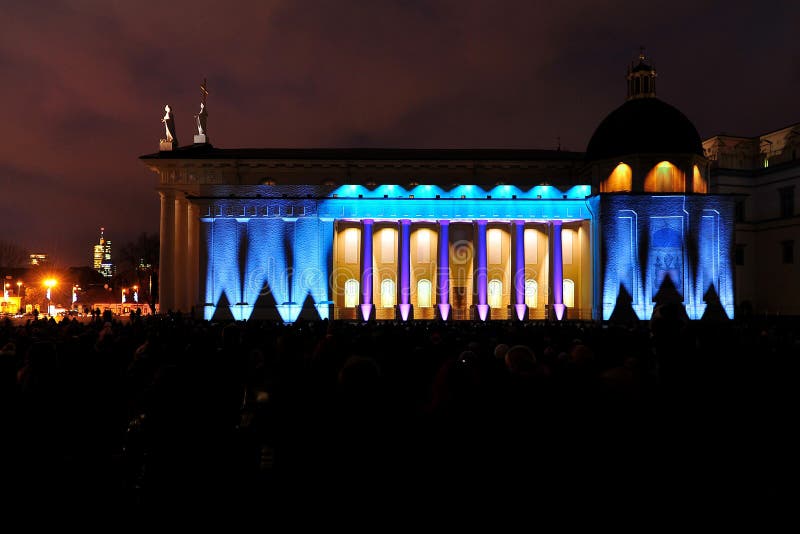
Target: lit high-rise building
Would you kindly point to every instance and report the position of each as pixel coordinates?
(38, 259)
(102, 256)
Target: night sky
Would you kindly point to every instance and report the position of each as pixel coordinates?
(84, 85)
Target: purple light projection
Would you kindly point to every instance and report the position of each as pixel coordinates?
(481, 272)
(558, 272)
(519, 269)
(444, 269)
(366, 268)
(404, 258)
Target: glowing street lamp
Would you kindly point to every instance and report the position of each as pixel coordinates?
(49, 283)
(136, 294)
(19, 288)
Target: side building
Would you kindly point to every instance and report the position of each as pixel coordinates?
(764, 171)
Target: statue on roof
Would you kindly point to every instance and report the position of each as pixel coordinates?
(169, 126)
(202, 116)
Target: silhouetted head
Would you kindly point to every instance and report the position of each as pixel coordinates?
(520, 360)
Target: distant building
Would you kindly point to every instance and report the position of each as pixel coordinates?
(765, 171)
(38, 259)
(102, 256)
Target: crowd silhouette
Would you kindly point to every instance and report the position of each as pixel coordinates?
(161, 411)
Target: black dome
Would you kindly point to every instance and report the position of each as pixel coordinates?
(642, 126)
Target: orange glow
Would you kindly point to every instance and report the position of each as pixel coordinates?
(620, 179)
(699, 184)
(665, 178)
(50, 282)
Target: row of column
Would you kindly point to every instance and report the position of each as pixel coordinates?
(443, 269)
(179, 275)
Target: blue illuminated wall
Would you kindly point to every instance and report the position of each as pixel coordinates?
(268, 255)
(647, 238)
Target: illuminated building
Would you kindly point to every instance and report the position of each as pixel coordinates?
(457, 234)
(101, 258)
(765, 172)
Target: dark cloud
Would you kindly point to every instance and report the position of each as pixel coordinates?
(84, 85)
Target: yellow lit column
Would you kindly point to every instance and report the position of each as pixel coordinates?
(193, 258)
(181, 244)
(166, 262)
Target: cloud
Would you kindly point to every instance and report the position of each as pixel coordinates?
(85, 82)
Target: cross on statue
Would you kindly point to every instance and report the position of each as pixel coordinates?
(204, 90)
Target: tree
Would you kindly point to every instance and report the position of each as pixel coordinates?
(12, 255)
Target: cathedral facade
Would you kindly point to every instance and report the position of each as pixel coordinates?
(408, 234)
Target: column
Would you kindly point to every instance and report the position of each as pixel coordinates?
(193, 258)
(366, 269)
(166, 262)
(558, 269)
(404, 259)
(181, 243)
(443, 271)
(481, 272)
(518, 274)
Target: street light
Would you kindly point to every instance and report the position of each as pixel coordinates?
(19, 288)
(50, 283)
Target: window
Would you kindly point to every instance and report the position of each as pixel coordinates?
(531, 247)
(787, 251)
(351, 293)
(787, 201)
(424, 293)
(566, 246)
(387, 246)
(495, 244)
(739, 254)
(620, 179)
(664, 178)
(739, 213)
(699, 184)
(351, 245)
(531, 293)
(495, 293)
(569, 293)
(423, 246)
(387, 293)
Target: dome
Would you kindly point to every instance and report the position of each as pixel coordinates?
(642, 126)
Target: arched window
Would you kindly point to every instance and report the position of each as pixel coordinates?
(424, 293)
(351, 293)
(531, 293)
(699, 184)
(620, 179)
(495, 293)
(665, 178)
(387, 293)
(569, 293)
